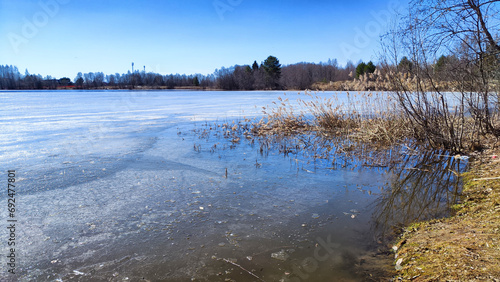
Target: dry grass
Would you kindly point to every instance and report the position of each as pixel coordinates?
(379, 82)
(375, 119)
(368, 118)
(466, 246)
(281, 119)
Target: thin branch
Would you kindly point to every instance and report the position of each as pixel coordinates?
(244, 269)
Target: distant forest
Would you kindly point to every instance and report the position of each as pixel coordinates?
(268, 75)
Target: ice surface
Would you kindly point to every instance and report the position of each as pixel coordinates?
(109, 187)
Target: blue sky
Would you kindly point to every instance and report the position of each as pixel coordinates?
(63, 37)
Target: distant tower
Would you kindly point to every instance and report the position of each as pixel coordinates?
(144, 69)
(132, 67)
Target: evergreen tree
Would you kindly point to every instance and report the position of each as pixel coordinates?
(370, 67)
(441, 63)
(272, 68)
(360, 69)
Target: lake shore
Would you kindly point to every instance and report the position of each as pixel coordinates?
(465, 246)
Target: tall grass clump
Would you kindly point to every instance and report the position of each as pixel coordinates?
(330, 116)
(366, 118)
(282, 119)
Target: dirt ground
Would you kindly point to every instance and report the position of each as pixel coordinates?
(466, 246)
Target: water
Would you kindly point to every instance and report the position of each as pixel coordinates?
(116, 186)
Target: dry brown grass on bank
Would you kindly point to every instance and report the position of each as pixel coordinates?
(378, 82)
(465, 247)
(368, 82)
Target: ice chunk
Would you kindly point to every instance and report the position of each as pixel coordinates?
(281, 255)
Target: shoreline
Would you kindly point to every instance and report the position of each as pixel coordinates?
(464, 246)
(356, 85)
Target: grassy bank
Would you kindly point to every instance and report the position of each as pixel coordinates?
(466, 246)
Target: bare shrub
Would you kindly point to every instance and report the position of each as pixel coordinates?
(463, 29)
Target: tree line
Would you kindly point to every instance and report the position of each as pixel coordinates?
(268, 75)
(271, 75)
(11, 78)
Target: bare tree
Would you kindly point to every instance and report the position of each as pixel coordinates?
(462, 29)
(243, 76)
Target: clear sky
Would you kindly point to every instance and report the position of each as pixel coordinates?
(62, 37)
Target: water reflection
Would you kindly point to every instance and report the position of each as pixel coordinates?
(421, 183)
(422, 186)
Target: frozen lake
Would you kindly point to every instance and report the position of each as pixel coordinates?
(110, 187)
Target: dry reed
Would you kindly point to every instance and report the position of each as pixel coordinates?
(367, 118)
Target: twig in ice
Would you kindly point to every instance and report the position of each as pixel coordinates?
(235, 264)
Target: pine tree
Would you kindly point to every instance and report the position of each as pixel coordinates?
(360, 69)
(272, 68)
(370, 67)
